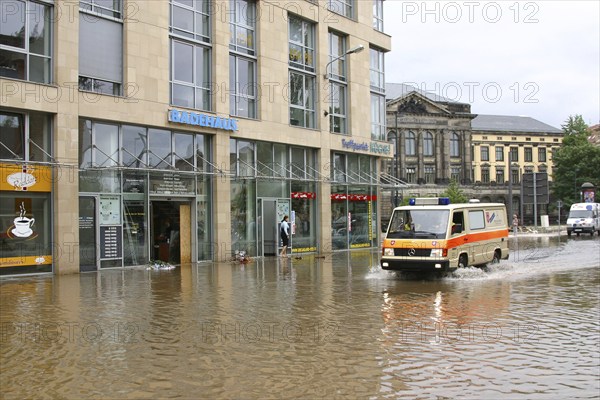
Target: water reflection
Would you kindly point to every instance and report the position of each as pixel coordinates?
(310, 327)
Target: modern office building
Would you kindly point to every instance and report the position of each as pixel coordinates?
(185, 130)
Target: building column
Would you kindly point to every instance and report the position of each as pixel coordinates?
(324, 204)
(221, 201)
(66, 149)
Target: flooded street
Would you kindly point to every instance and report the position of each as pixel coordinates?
(333, 327)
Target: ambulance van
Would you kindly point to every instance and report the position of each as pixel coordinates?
(430, 234)
(584, 218)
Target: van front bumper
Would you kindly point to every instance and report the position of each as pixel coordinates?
(394, 264)
(581, 229)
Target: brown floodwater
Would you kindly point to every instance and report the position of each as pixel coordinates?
(333, 327)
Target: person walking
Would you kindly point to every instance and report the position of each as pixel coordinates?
(284, 232)
(515, 223)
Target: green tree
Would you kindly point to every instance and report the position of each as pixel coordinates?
(575, 162)
(455, 194)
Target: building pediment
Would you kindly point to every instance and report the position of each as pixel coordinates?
(415, 103)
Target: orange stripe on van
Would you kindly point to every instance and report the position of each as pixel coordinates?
(476, 237)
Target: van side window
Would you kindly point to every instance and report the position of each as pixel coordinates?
(476, 220)
(458, 222)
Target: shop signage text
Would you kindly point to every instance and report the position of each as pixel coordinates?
(373, 147)
(208, 121)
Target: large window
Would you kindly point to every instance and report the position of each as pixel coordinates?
(514, 154)
(454, 145)
(515, 175)
(410, 144)
(499, 176)
(301, 44)
(377, 78)
(302, 77)
(485, 153)
(455, 173)
(377, 116)
(528, 154)
(377, 70)
(337, 83)
(302, 101)
(499, 153)
(190, 75)
(410, 175)
(485, 175)
(429, 174)
(541, 154)
(25, 137)
(378, 15)
(101, 47)
(242, 81)
(26, 41)
(242, 59)
(428, 144)
(342, 7)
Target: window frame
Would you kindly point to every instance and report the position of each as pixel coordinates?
(454, 145)
(308, 106)
(307, 48)
(47, 57)
(338, 87)
(499, 153)
(542, 154)
(378, 15)
(410, 148)
(428, 146)
(484, 153)
(29, 147)
(341, 7)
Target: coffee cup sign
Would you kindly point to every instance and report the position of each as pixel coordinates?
(22, 223)
(23, 226)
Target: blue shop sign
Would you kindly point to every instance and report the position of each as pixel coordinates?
(208, 121)
(373, 147)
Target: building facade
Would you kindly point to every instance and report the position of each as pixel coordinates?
(185, 130)
(507, 147)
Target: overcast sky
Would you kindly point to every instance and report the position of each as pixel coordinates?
(538, 59)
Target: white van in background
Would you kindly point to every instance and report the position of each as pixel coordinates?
(584, 218)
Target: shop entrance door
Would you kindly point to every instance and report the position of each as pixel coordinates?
(88, 260)
(171, 231)
(270, 213)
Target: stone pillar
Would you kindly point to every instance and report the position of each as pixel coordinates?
(324, 203)
(66, 147)
(221, 200)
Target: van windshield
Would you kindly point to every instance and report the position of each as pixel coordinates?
(431, 224)
(580, 214)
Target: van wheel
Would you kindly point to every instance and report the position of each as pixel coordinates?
(496, 258)
(568, 234)
(463, 261)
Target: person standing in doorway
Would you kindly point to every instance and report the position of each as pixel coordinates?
(284, 232)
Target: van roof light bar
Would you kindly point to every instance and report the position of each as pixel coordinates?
(429, 201)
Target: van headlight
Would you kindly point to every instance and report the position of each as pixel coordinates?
(388, 251)
(436, 252)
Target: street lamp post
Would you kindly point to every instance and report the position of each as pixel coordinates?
(397, 158)
(356, 49)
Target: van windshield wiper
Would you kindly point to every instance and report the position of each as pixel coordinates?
(426, 233)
